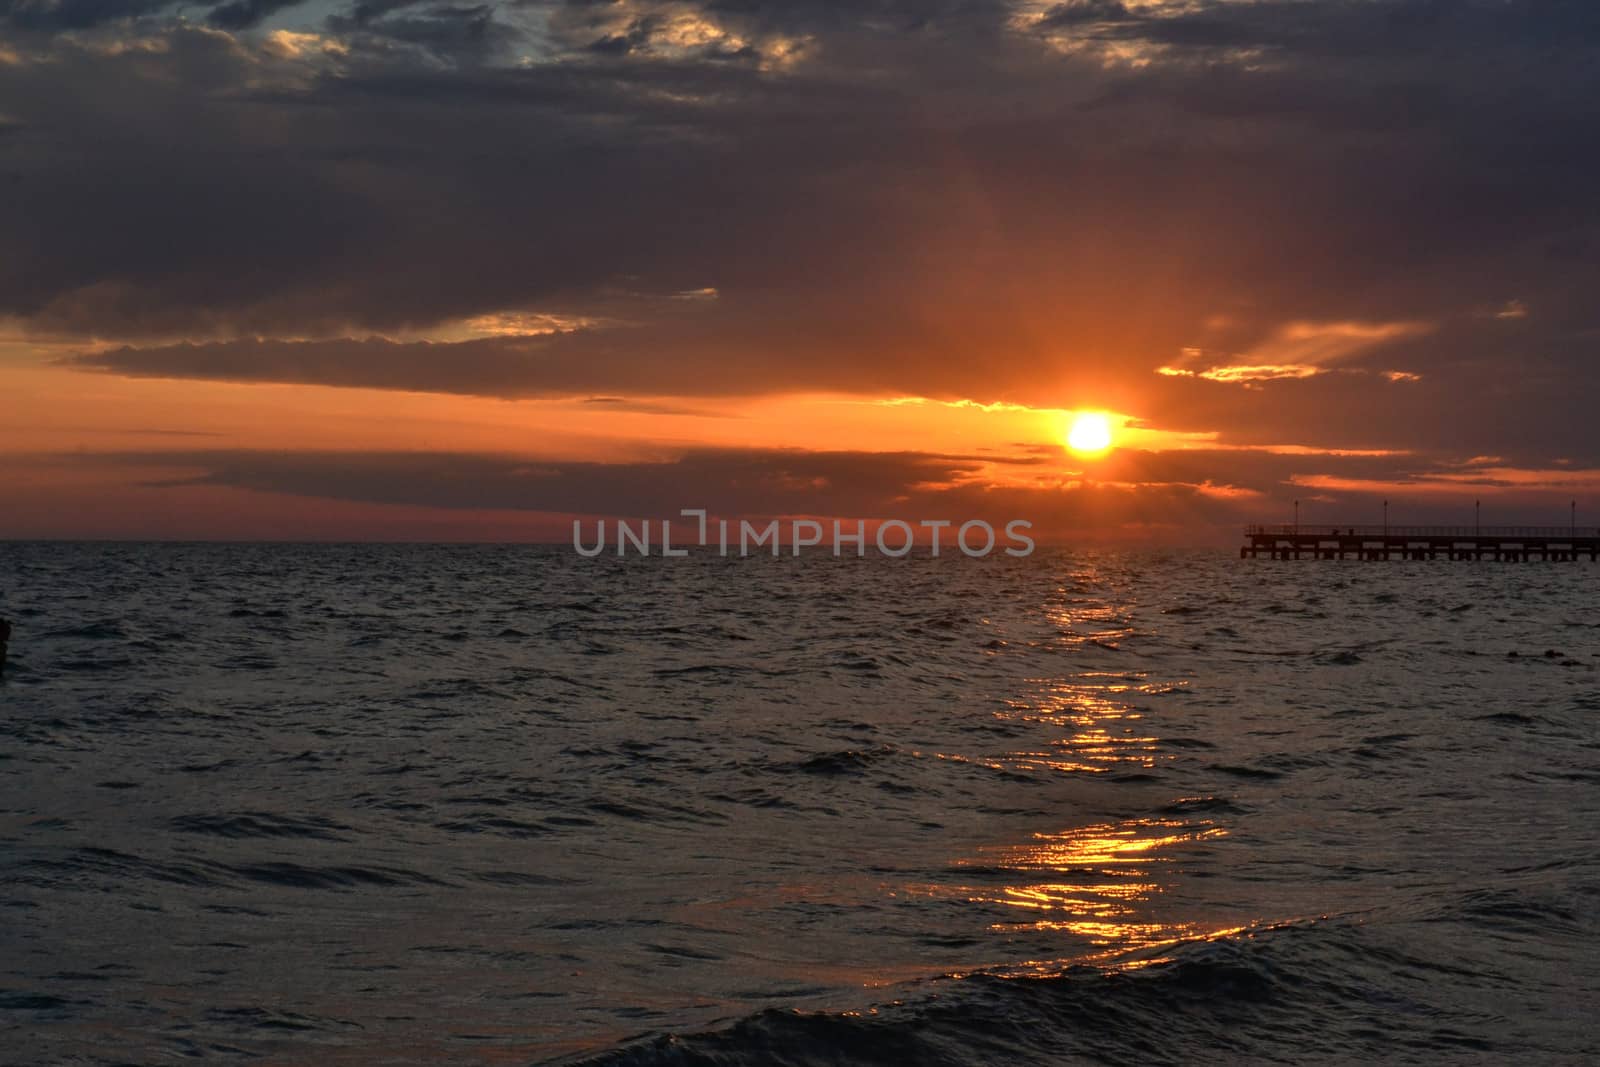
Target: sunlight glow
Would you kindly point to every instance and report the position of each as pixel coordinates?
(1090, 433)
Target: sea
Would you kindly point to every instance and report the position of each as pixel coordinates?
(457, 804)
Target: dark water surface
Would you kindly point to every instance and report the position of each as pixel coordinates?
(361, 805)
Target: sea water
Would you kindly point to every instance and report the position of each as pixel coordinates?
(488, 804)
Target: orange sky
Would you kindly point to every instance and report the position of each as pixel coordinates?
(102, 455)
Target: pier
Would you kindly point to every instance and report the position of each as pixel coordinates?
(1511, 544)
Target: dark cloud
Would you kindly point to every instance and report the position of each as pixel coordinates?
(1076, 13)
(242, 14)
(504, 367)
(55, 16)
(751, 482)
(1134, 490)
(365, 11)
(944, 198)
(463, 34)
(52, 16)
(1445, 32)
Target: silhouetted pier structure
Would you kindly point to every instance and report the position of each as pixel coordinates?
(1504, 543)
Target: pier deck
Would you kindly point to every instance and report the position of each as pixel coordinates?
(1502, 543)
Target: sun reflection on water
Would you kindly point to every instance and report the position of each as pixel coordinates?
(1105, 893)
(1106, 732)
(1094, 882)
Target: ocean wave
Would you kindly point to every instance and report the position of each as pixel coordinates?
(1284, 993)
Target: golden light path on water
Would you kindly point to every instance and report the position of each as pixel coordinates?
(1095, 882)
(1103, 728)
(1100, 883)
(1106, 733)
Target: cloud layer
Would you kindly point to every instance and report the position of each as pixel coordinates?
(1348, 223)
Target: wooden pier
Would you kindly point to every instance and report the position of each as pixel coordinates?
(1514, 544)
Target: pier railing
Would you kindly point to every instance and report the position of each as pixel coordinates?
(1304, 530)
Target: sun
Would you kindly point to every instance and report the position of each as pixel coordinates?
(1090, 433)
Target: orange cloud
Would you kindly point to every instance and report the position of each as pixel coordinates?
(1459, 482)
(1300, 350)
(1258, 372)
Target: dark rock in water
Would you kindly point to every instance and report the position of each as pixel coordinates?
(5, 639)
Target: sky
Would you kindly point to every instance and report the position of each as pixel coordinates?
(431, 270)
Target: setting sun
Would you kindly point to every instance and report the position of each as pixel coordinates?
(1090, 433)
